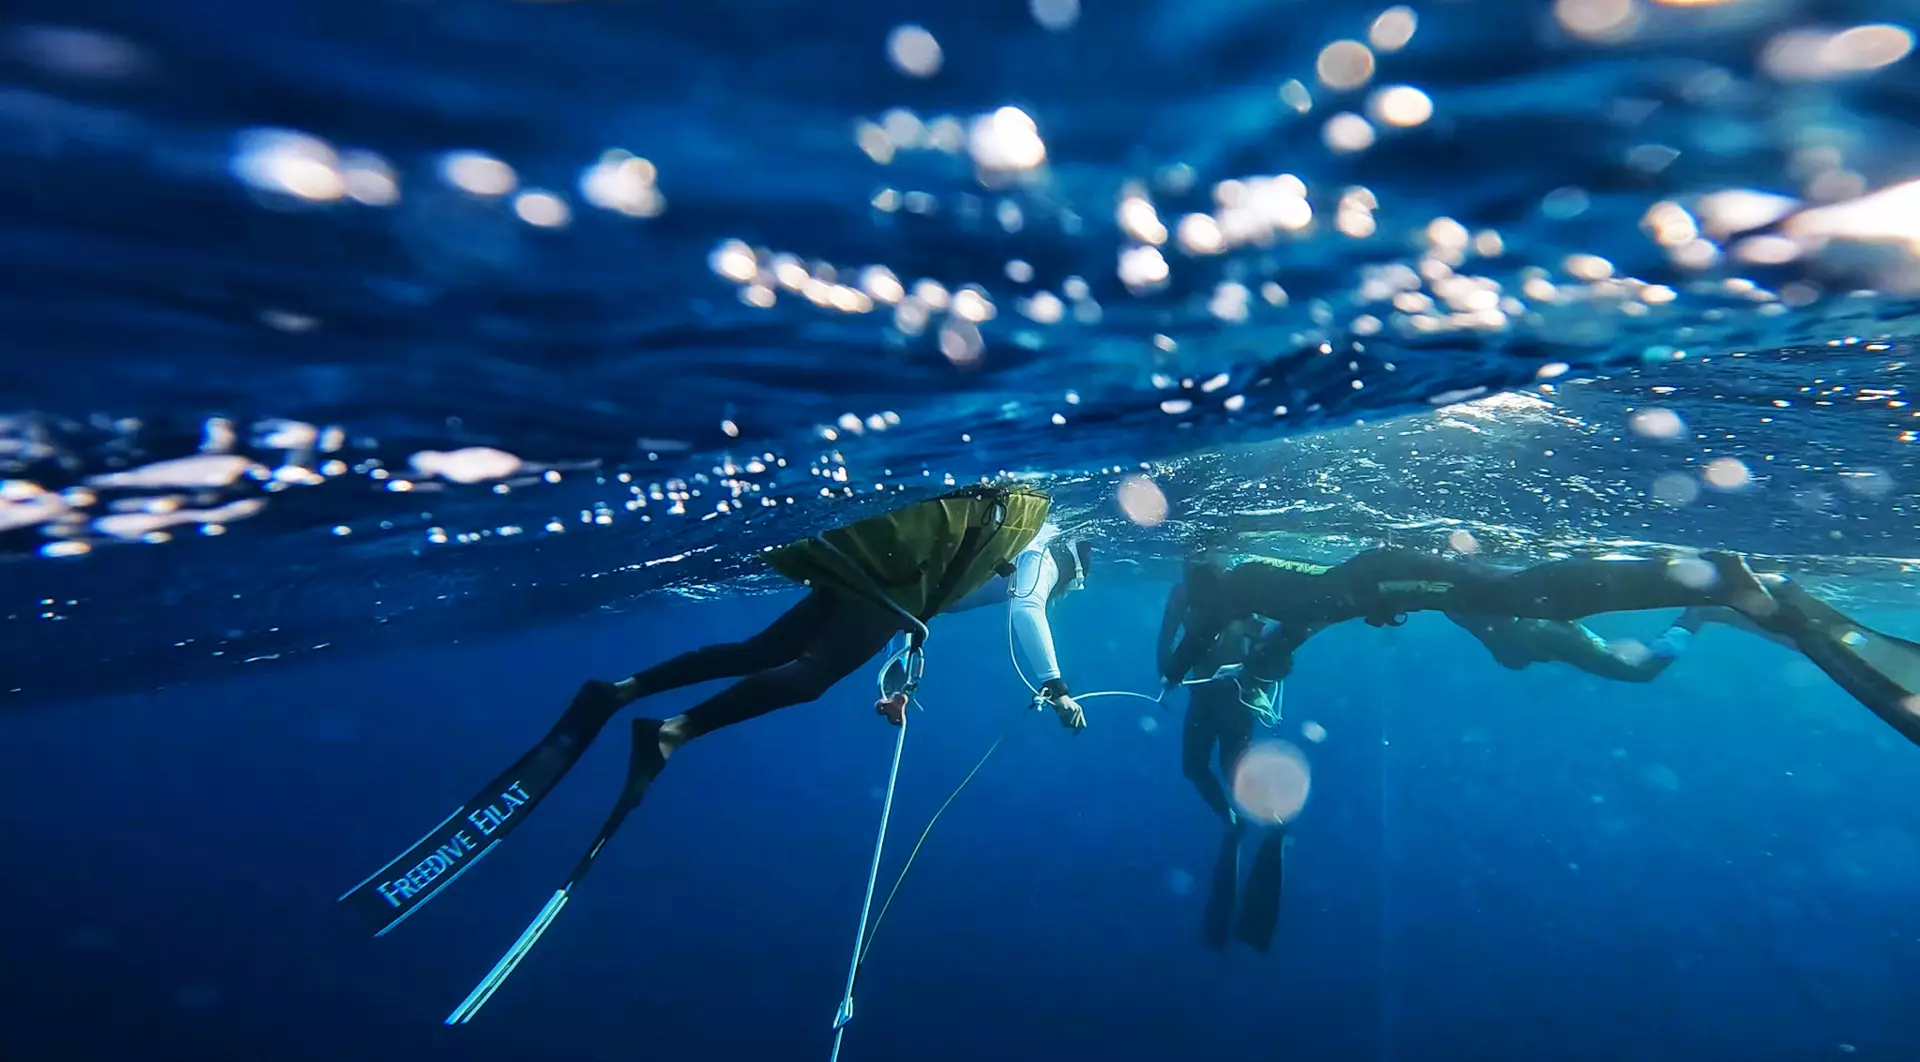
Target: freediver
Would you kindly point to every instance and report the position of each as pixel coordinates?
(1224, 705)
(867, 582)
(1383, 585)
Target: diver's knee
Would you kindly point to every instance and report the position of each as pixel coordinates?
(739, 657)
(1196, 768)
(809, 684)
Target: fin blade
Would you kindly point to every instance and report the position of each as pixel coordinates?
(1260, 903)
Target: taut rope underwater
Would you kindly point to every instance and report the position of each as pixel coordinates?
(845, 1013)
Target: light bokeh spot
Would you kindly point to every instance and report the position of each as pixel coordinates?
(914, 52)
(1271, 782)
(1142, 501)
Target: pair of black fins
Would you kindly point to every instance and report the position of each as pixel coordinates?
(1258, 901)
(394, 892)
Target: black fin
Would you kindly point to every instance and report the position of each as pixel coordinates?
(1260, 902)
(1217, 924)
(644, 764)
(1879, 670)
(417, 875)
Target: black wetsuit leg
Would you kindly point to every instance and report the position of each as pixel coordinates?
(1260, 901)
(1379, 584)
(848, 633)
(795, 659)
(1235, 729)
(1499, 635)
(1207, 728)
(783, 640)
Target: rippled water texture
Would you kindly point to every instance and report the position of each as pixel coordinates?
(322, 317)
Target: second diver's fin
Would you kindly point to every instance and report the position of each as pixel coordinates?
(1260, 901)
(1879, 670)
(643, 766)
(1217, 923)
(463, 838)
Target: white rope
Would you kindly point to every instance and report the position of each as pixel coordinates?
(908, 865)
(1115, 693)
(1268, 716)
(1014, 657)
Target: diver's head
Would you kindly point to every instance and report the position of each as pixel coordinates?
(1211, 547)
(1072, 557)
(1203, 574)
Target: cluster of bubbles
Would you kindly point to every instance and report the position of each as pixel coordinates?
(1004, 145)
(236, 471)
(953, 316)
(224, 483)
(285, 168)
(1434, 292)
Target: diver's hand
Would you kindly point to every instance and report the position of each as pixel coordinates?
(1071, 715)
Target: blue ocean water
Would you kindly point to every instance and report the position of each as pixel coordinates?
(374, 372)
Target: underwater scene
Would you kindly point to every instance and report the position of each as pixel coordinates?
(1032, 529)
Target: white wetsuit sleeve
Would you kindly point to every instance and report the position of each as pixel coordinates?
(1034, 576)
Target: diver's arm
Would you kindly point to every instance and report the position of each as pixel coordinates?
(1033, 579)
(1211, 609)
(1622, 660)
(1678, 637)
(1171, 621)
(1195, 640)
(1270, 658)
